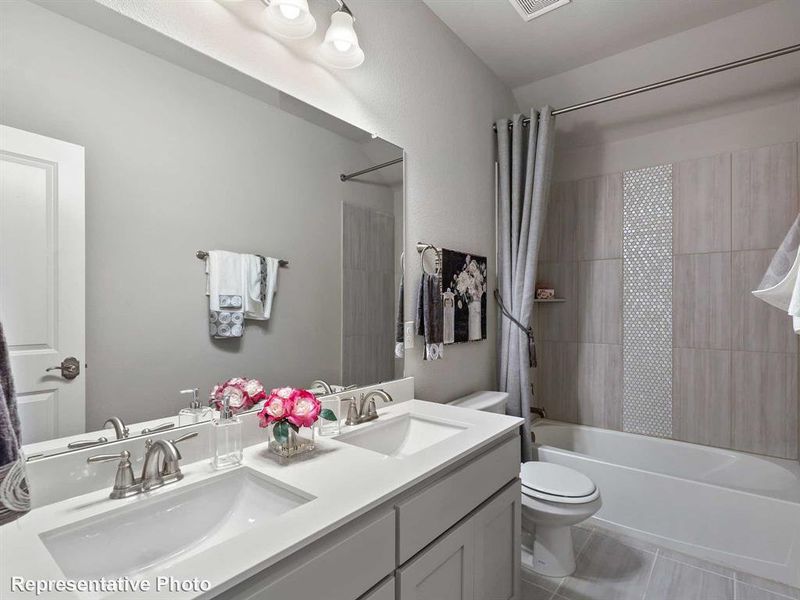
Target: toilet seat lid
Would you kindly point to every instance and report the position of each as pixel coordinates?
(555, 480)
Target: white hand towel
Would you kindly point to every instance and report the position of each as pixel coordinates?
(251, 272)
(272, 285)
(794, 303)
(224, 279)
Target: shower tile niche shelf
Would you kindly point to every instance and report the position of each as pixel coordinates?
(549, 300)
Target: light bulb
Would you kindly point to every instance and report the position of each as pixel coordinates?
(342, 45)
(340, 48)
(289, 11)
(290, 19)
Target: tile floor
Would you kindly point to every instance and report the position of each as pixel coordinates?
(612, 566)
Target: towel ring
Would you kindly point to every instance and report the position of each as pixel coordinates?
(438, 263)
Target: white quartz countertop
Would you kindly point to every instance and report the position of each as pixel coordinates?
(346, 482)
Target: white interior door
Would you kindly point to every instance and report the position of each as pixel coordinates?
(42, 279)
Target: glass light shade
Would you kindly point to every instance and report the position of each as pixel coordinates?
(340, 48)
(290, 19)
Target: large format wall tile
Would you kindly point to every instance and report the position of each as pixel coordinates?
(558, 321)
(765, 403)
(599, 217)
(757, 326)
(701, 191)
(600, 385)
(558, 239)
(701, 409)
(702, 300)
(765, 196)
(557, 386)
(600, 301)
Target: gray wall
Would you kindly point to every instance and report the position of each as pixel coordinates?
(421, 88)
(177, 163)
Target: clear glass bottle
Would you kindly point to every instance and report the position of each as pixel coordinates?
(227, 437)
(195, 412)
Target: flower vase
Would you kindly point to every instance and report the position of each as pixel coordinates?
(293, 444)
(475, 320)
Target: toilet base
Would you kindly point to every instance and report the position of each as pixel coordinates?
(549, 551)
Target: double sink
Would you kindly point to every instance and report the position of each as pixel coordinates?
(173, 525)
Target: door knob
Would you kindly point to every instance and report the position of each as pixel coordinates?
(70, 368)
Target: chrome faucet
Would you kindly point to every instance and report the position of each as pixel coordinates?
(120, 430)
(324, 385)
(119, 427)
(161, 466)
(365, 410)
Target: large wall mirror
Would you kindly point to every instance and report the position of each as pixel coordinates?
(119, 167)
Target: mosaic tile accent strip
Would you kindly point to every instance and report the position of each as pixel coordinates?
(647, 301)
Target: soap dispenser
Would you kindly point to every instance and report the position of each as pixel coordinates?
(195, 412)
(227, 437)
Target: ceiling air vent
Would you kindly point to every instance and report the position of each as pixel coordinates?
(530, 9)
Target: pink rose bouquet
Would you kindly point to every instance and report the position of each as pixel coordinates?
(291, 407)
(243, 393)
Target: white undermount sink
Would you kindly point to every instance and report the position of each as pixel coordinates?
(159, 530)
(402, 435)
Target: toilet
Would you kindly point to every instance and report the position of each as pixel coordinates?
(554, 498)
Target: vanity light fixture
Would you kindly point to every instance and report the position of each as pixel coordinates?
(290, 19)
(340, 48)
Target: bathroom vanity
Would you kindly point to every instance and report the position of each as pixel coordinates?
(422, 503)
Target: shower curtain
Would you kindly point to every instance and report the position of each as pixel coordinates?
(525, 158)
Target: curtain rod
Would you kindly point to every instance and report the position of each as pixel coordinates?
(673, 81)
(348, 176)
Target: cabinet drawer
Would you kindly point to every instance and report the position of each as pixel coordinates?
(425, 516)
(342, 566)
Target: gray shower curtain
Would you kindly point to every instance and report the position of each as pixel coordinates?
(525, 158)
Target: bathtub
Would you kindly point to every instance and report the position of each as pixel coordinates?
(724, 506)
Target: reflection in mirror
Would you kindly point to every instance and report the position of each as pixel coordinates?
(110, 188)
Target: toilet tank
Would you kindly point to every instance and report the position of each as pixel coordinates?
(486, 401)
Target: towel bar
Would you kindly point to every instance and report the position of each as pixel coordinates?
(202, 255)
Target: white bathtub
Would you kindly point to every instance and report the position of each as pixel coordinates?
(724, 506)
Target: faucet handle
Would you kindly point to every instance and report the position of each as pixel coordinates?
(124, 481)
(183, 438)
(122, 456)
(157, 428)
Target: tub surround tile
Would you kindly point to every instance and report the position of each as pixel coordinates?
(702, 301)
(671, 580)
(600, 385)
(608, 569)
(600, 301)
(701, 193)
(702, 407)
(765, 403)
(599, 217)
(764, 195)
(558, 240)
(757, 326)
(557, 385)
(559, 321)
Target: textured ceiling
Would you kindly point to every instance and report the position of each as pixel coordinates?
(577, 34)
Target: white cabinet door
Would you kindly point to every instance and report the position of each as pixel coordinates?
(42, 289)
(497, 546)
(443, 571)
